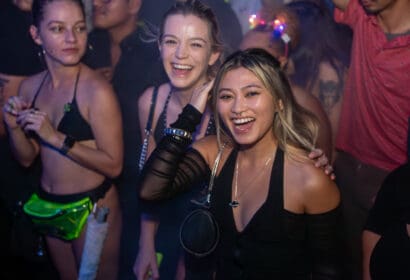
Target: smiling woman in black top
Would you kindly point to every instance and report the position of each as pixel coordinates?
(277, 213)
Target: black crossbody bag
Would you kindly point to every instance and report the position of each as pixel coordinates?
(199, 232)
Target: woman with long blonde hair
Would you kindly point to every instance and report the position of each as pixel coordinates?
(277, 213)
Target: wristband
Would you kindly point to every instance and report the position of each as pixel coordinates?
(67, 144)
(178, 133)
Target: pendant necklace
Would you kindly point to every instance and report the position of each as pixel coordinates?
(235, 202)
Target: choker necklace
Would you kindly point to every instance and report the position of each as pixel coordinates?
(235, 202)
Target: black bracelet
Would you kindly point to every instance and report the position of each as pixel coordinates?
(67, 144)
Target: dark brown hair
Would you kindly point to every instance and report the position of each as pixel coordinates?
(37, 10)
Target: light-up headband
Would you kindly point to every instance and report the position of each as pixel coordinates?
(278, 26)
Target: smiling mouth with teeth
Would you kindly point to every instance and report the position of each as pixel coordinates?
(242, 121)
(181, 67)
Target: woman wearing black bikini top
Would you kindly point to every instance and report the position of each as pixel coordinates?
(68, 115)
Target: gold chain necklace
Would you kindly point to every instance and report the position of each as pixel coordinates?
(235, 202)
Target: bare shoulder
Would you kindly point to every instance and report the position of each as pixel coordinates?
(145, 100)
(145, 97)
(208, 147)
(29, 86)
(317, 192)
(93, 83)
(144, 103)
(95, 94)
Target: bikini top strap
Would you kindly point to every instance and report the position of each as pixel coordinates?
(33, 103)
(75, 86)
(152, 109)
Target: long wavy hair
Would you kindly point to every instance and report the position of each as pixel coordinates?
(293, 125)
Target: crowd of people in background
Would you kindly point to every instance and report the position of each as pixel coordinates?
(88, 89)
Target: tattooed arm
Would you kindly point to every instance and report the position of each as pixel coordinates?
(329, 91)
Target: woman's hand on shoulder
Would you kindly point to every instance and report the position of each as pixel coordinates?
(322, 162)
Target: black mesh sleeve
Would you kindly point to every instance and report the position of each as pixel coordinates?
(189, 118)
(172, 167)
(324, 238)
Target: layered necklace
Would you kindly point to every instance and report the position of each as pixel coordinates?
(235, 202)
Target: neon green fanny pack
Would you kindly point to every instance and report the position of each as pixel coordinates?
(63, 220)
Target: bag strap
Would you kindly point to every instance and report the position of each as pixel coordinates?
(213, 173)
(144, 148)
